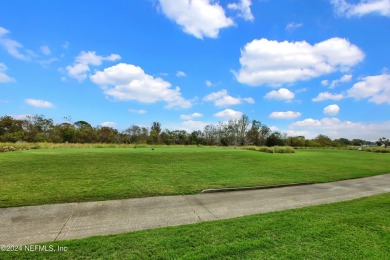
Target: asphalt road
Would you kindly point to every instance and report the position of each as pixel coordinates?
(33, 224)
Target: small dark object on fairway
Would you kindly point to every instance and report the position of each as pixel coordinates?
(152, 149)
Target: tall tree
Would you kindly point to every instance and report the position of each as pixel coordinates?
(253, 135)
(383, 141)
(11, 130)
(276, 138)
(63, 133)
(265, 132)
(243, 125)
(296, 141)
(195, 137)
(210, 134)
(107, 134)
(324, 140)
(155, 131)
(343, 141)
(84, 132)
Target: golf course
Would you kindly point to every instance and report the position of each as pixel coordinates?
(357, 228)
(195, 129)
(46, 176)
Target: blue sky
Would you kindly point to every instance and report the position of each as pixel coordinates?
(300, 67)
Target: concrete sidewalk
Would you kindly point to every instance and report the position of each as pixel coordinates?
(33, 224)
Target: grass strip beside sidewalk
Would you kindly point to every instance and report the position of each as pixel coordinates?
(357, 229)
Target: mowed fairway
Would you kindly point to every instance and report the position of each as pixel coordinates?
(67, 175)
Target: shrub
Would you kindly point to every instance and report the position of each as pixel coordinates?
(266, 149)
(377, 149)
(284, 149)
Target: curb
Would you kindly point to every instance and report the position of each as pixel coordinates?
(257, 187)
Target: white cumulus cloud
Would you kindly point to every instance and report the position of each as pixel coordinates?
(222, 98)
(80, 68)
(335, 128)
(137, 111)
(271, 62)
(191, 125)
(191, 116)
(285, 115)
(331, 110)
(244, 9)
(21, 116)
(292, 26)
(327, 96)
(249, 100)
(129, 82)
(229, 114)
(364, 7)
(325, 82)
(343, 79)
(309, 122)
(281, 94)
(181, 74)
(4, 78)
(200, 18)
(108, 124)
(14, 48)
(374, 88)
(45, 50)
(38, 103)
(208, 83)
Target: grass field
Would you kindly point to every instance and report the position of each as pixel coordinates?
(358, 229)
(67, 175)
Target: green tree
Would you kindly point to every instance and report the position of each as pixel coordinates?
(167, 137)
(210, 135)
(195, 137)
(276, 138)
(107, 134)
(383, 141)
(357, 142)
(343, 141)
(243, 124)
(65, 132)
(296, 141)
(84, 132)
(11, 130)
(323, 140)
(135, 134)
(253, 134)
(155, 130)
(81, 125)
(38, 128)
(265, 132)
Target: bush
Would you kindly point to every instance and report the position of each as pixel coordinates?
(377, 149)
(266, 149)
(284, 149)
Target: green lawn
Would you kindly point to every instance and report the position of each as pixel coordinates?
(358, 229)
(66, 175)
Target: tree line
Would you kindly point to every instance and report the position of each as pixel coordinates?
(237, 132)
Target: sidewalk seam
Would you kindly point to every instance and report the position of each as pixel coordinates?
(67, 221)
(199, 202)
